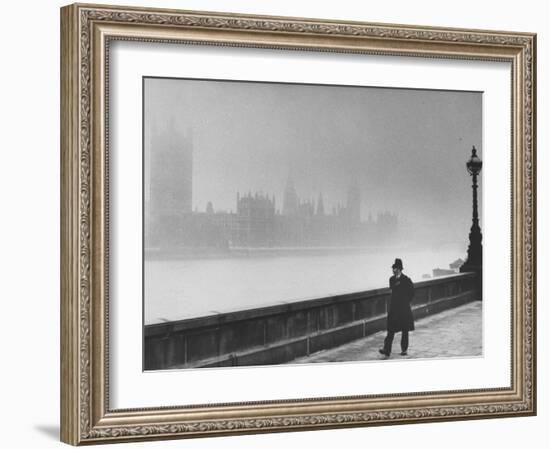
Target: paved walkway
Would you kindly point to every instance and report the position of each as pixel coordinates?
(453, 333)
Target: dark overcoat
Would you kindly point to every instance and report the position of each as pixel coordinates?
(400, 315)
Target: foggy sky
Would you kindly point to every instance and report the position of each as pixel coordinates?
(406, 148)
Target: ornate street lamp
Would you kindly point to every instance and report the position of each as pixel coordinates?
(474, 260)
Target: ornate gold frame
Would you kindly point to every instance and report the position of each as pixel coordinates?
(86, 31)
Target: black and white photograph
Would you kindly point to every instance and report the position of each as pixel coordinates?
(304, 223)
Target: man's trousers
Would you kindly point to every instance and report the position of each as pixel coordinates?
(388, 341)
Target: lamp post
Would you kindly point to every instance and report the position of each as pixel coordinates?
(474, 261)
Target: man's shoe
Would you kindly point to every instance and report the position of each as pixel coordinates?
(404, 353)
(381, 351)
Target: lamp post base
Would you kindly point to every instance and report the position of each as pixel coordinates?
(475, 268)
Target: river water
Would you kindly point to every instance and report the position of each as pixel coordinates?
(186, 288)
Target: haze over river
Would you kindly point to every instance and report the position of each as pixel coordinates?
(179, 289)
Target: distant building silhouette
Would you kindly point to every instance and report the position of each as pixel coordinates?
(256, 222)
(290, 199)
(354, 202)
(320, 206)
(454, 267)
(171, 186)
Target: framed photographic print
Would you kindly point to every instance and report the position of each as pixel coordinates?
(274, 223)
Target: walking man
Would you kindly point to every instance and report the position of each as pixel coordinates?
(400, 317)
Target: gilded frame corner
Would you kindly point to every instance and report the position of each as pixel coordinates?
(86, 31)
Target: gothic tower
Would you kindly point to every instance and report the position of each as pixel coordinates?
(320, 205)
(290, 198)
(354, 202)
(170, 182)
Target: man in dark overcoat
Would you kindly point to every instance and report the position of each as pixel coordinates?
(400, 317)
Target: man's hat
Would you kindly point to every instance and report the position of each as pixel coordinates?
(398, 264)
